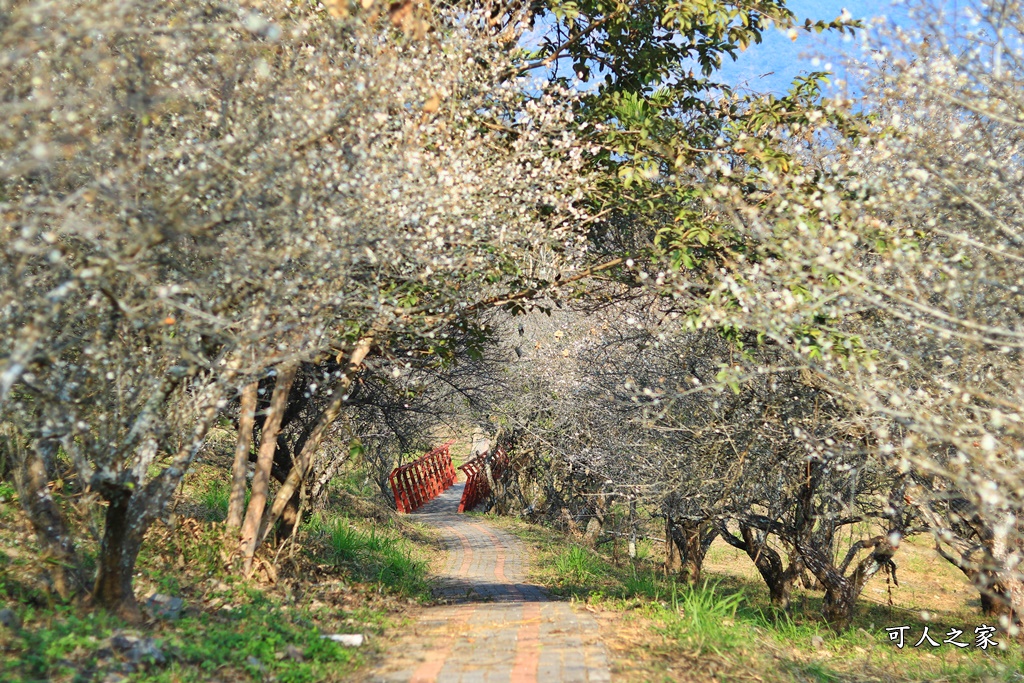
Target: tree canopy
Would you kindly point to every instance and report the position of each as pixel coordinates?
(765, 318)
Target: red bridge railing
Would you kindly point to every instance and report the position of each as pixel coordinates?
(477, 484)
(423, 479)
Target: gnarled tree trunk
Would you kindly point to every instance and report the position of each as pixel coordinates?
(673, 560)
(841, 591)
(770, 565)
(133, 507)
(691, 540)
(119, 548)
(977, 551)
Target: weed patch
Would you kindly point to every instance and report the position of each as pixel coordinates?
(215, 499)
(703, 619)
(577, 565)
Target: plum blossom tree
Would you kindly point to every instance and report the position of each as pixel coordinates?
(197, 195)
(887, 259)
(624, 404)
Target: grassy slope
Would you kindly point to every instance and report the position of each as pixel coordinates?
(658, 630)
(356, 569)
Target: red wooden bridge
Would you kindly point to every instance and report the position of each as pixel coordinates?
(478, 483)
(420, 481)
(423, 479)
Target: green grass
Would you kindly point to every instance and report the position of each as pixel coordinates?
(215, 497)
(248, 639)
(251, 637)
(703, 618)
(44, 651)
(578, 565)
(725, 629)
(373, 553)
(348, 573)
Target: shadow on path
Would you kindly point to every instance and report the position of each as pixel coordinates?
(495, 626)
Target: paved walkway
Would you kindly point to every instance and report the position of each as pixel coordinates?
(495, 627)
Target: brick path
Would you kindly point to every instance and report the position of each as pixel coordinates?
(496, 627)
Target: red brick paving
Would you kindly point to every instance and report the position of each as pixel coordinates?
(496, 627)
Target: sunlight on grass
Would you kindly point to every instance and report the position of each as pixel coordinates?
(375, 553)
(725, 629)
(578, 565)
(214, 497)
(703, 618)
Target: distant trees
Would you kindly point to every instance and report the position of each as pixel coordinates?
(898, 254)
(781, 468)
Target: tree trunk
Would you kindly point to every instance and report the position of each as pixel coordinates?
(837, 607)
(770, 566)
(632, 528)
(769, 563)
(692, 540)
(246, 419)
(1000, 597)
(995, 598)
(838, 604)
(265, 459)
(492, 486)
(303, 462)
(990, 607)
(596, 523)
(673, 560)
(841, 592)
(118, 551)
(1015, 593)
(132, 508)
(290, 516)
(32, 481)
(317, 499)
(1006, 549)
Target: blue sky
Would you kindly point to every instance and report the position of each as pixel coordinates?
(772, 65)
